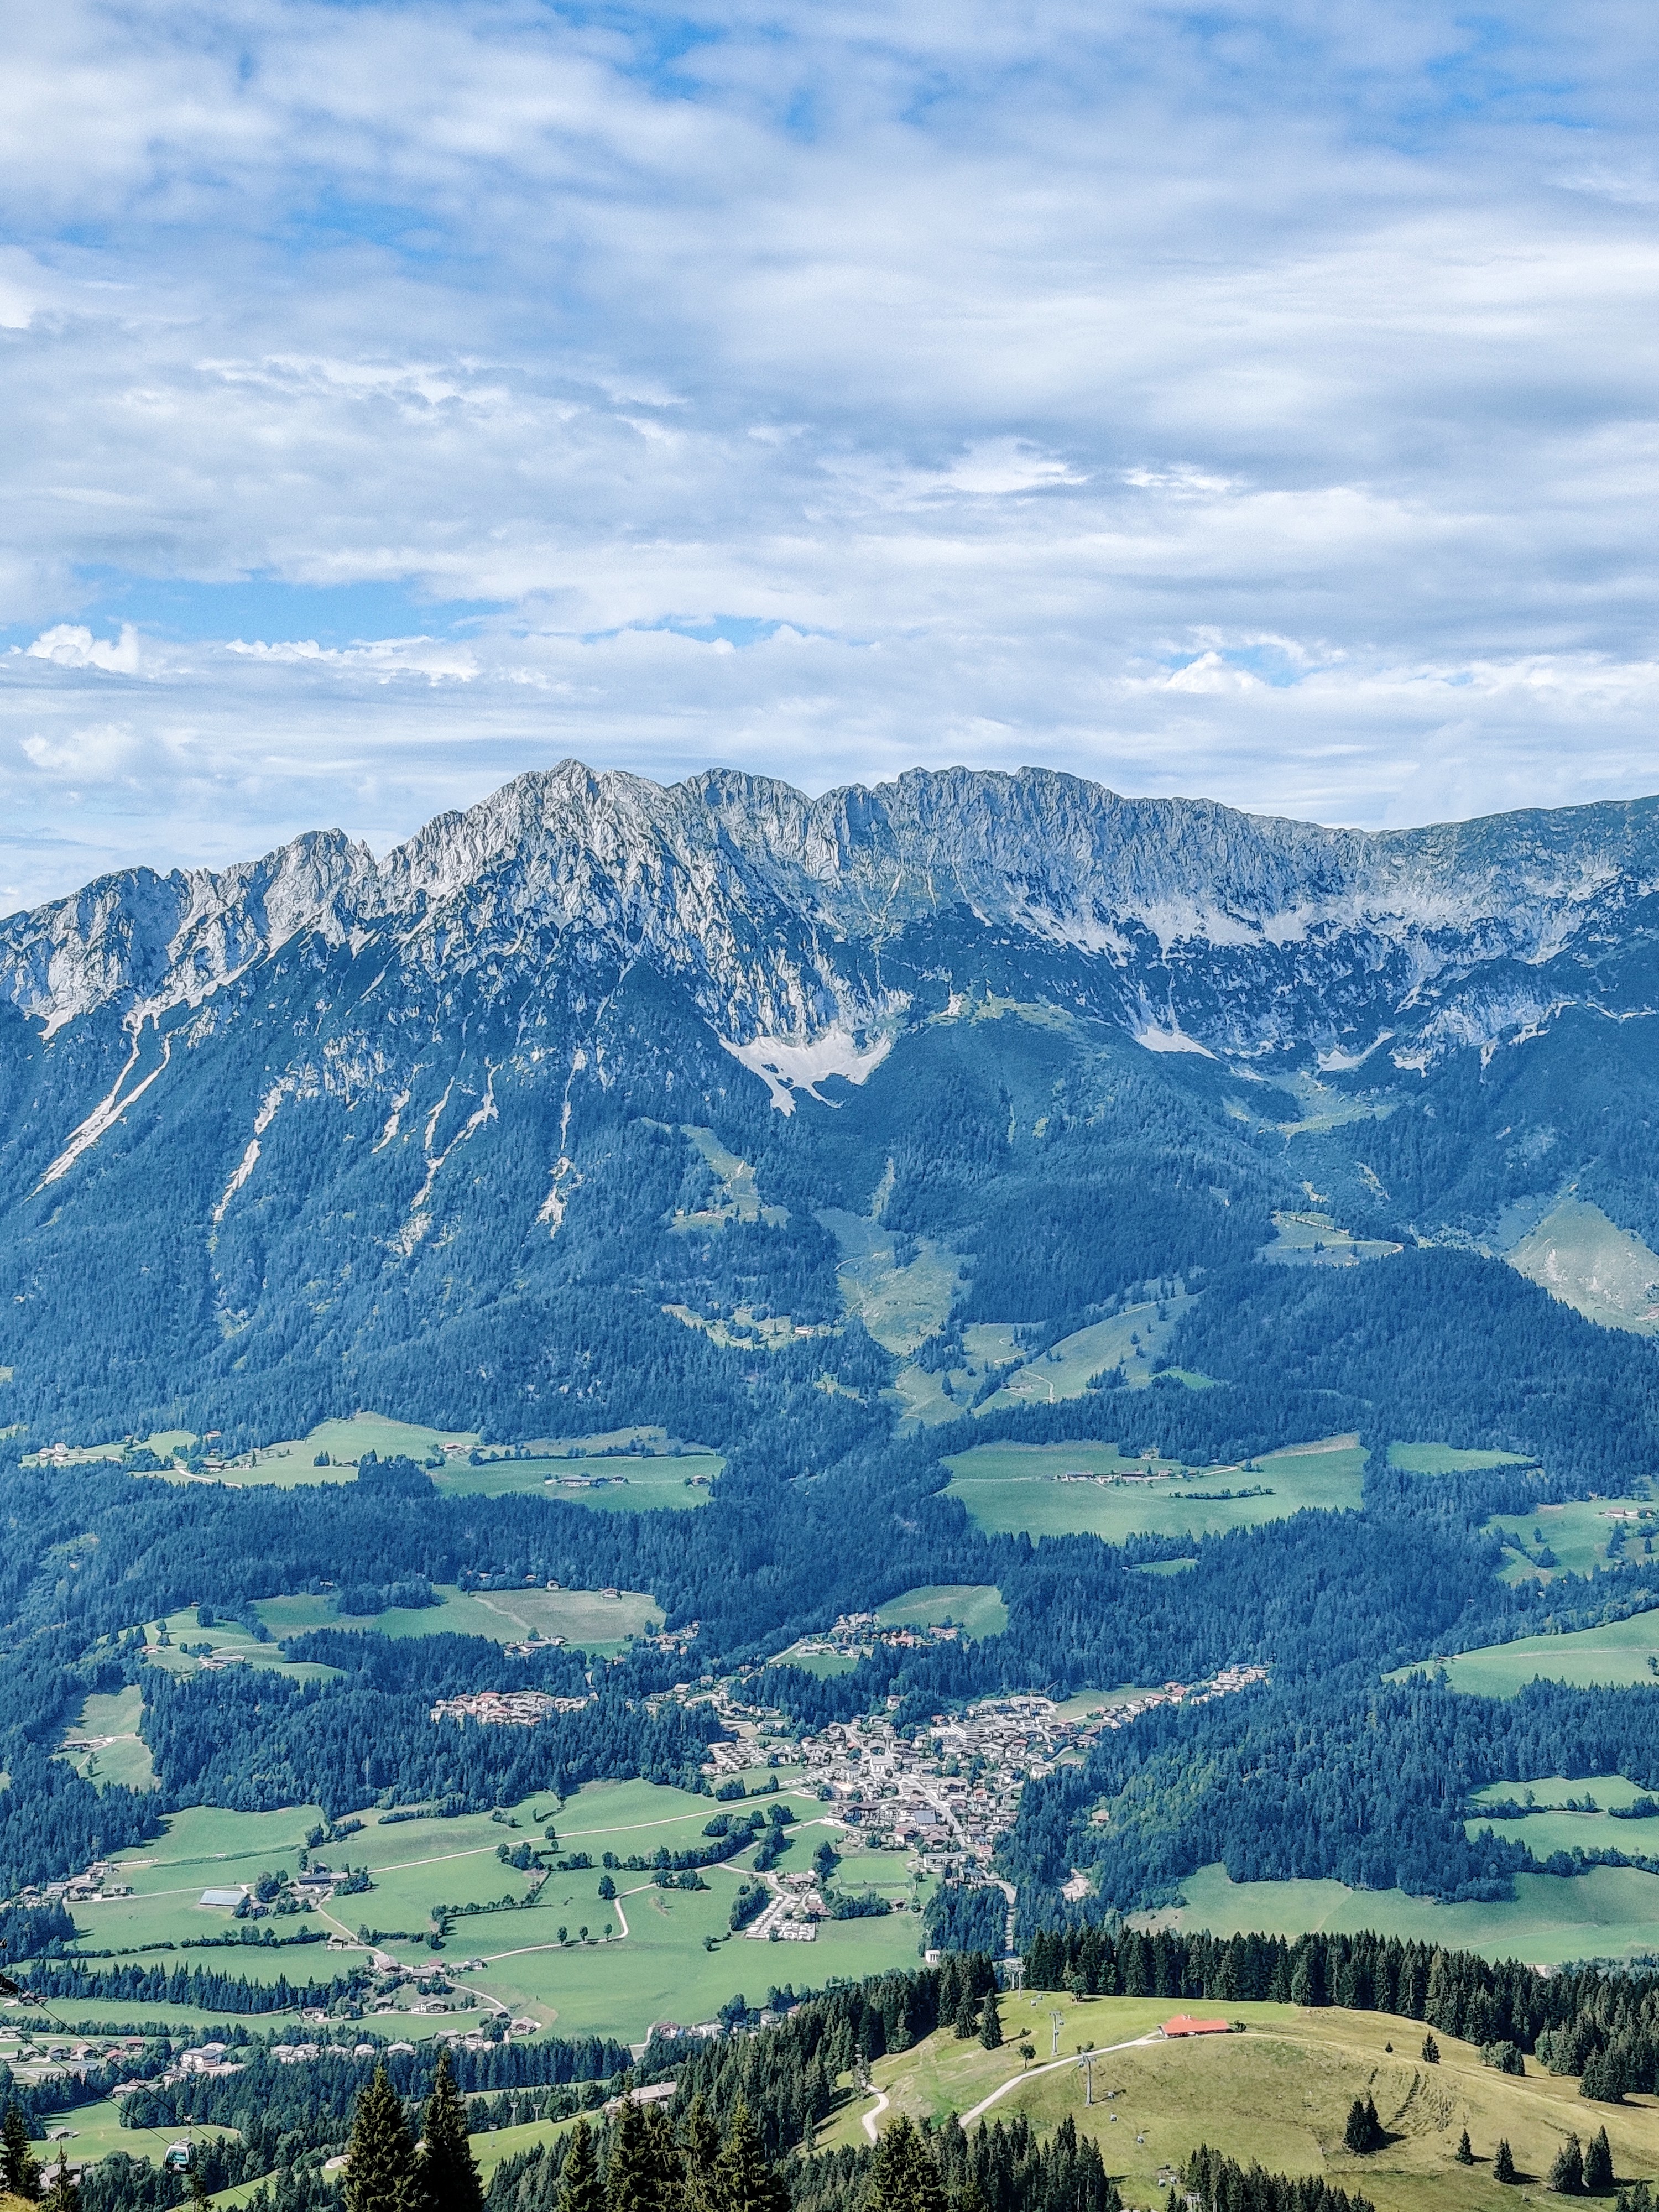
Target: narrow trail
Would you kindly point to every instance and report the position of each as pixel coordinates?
(1049, 2066)
(875, 2112)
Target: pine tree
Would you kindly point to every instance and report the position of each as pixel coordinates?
(903, 2176)
(1465, 2151)
(580, 2188)
(1598, 2162)
(1431, 2051)
(700, 2148)
(967, 2019)
(1567, 2175)
(1357, 2135)
(380, 2157)
(64, 2194)
(990, 2026)
(1503, 2165)
(447, 2173)
(744, 2182)
(631, 2183)
(19, 2170)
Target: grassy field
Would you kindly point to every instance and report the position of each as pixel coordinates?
(119, 1752)
(628, 1484)
(1279, 2093)
(600, 1625)
(1012, 1488)
(899, 1305)
(1617, 1654)
(1133, 1339)
(1314, 1240)
(1445, 1459)
(1551, 1827)
(974, 1606)
(1610, 1912)
(670, 1954)
(1581, 1258)
(1576, 1533)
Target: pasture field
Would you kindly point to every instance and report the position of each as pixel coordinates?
(1132, 1340)
(600, 1625)
(1314, 1240)
(1579, 1255)
(900, 1304)
(1609, 1913)
(1446, 1459)
(974, 1607)
(1578, 1532)
(1009, 1489)
(1553, 1828)
(1616, 1655)
(228, 1639)
(656, 1965)
(1278, 2092)
(626, 1483)
(823, 1664)
(117, 1752)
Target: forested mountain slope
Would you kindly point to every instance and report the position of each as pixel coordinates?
(324, 1130)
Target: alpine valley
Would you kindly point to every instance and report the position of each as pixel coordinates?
(1091, 1358)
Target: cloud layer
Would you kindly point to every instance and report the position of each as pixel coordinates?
(1257, 402)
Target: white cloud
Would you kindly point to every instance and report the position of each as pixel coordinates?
(1065, 384)
(72, 645)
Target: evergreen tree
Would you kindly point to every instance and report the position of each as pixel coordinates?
(380, 2157)
(448, 2174)
(1567, 2175)
(631, 2180)
(1431, 2051)
(990, 2026)
(1465, 2151)
(700, 2149)
(19, 2170)
(1598, 2162)
(903, 2177)
(744, 2180)
(967, 2019)
(66, 2192)
(1503, 2165)
(580, 2188)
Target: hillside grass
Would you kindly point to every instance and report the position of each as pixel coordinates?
(1609, 1913)
(1011, 1489)
(975, 1608)
(630, 1483)
(1616, 1655)
(1577, 1532)
(1279, 2093)
(600, 1625)
(660, 1968)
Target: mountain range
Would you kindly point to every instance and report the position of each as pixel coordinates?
(599, 1092)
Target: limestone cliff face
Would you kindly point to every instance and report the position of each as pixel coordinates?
(788, 919)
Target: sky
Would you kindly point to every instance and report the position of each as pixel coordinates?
(1252, 402)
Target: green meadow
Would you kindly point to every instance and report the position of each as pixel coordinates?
(1277, 2092)
(648, 1953)
(1551, 1826)
(600, 1625)
(1012, 1489)
(1578, 1532)
(1609, 1913)
(1446, 1459)
(974, 1606)
(617, 1483)
(1617, 1654)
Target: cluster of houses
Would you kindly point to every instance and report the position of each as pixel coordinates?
(505, 1707)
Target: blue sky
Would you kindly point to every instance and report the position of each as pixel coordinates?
(1252, 401)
